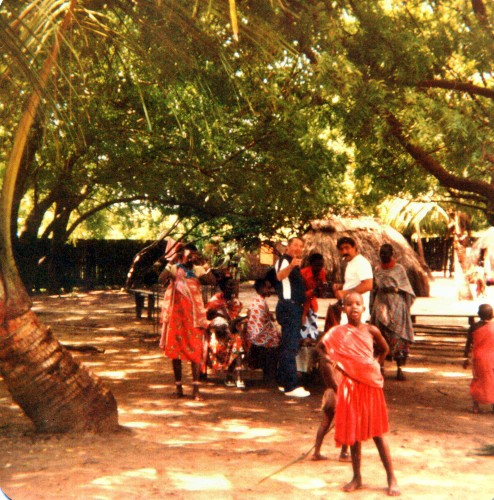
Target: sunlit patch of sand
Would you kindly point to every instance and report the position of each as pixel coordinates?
(199, 482)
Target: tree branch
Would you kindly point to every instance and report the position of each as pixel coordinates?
(459, 86)
(445, 178)
(102, 206)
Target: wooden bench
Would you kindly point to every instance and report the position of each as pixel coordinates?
(471, 317)
(443, 308)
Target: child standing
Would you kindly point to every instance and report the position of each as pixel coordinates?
(481, 335)
(360, 405)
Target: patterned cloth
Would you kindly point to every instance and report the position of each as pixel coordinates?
(261, 329)
(309, 317)
(224, 345)
(391, 311)
(360, 405)
(482, 386)
(183, 317)
(223, 351)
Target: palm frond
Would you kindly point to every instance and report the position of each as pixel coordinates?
(405, 215)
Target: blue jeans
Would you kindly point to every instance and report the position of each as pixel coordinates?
(289, 316)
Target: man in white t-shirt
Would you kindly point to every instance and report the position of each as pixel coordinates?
(358, 274)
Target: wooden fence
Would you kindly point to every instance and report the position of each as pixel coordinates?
(93, 264)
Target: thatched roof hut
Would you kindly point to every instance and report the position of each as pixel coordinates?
(369, 234)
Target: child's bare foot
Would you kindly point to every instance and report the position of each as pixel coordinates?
(353, 485)
(344, 457)
(393, 490)
(318, 456)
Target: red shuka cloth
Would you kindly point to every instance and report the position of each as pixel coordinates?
(360, 405)
(184, 319)
(482, 386)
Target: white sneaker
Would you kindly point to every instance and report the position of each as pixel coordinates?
(240, 384)
(299, 392)
(281, 388)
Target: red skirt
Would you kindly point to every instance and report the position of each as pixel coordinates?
(360, 412)
(183, 340)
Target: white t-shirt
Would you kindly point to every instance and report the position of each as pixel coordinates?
(358, 270)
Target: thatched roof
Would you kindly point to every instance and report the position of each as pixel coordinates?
(369, 234)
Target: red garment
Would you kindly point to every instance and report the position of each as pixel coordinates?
(223, 350)
(183, 319)
(311, 282)
(218, 302)
(360, 405)
(482, 386)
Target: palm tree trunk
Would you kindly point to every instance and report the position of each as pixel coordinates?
(54, 391)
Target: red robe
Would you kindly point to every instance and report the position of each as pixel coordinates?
(360, 405)
(482, 386)
(184, 319)
(311, 282)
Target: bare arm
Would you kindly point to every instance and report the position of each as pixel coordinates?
(285, 272)
(164, 276)
(381, 343)
(363, 287)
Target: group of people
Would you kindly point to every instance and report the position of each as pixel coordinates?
(297, 307)
(351, 351)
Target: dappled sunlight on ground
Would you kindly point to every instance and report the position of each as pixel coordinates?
(148, 474)
(301, 482)
(233, 444)
(410, 369)
(199, 482)
(464, 374)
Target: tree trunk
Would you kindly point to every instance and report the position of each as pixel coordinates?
(55, 392)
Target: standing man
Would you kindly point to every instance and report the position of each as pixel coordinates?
(290, 288)
(358, 275)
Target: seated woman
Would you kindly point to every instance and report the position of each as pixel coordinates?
(262, 334)
(224, 340)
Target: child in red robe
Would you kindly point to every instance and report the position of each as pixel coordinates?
(360, 406)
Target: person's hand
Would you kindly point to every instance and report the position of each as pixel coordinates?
(296, 262)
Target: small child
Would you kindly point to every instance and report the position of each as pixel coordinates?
(360, 405)
(331, 378)
(481, 337)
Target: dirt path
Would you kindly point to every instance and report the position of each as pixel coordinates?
(224, 446)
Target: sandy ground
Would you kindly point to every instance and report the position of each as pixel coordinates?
(225, 446)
